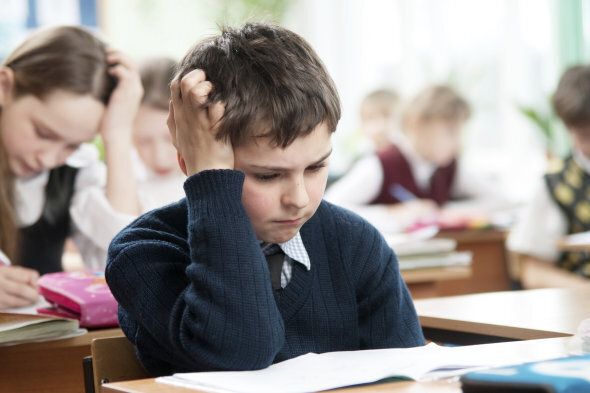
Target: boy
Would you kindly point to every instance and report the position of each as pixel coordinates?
(560, 205)
(418, 173)
(252, 267)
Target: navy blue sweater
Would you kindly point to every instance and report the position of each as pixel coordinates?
(194, 291)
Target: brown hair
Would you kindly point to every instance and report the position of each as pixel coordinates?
(571, 100)
(156, 75)
(271, 82)
(437, 103)
(66, 58)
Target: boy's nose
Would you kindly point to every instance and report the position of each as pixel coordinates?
(297, 195)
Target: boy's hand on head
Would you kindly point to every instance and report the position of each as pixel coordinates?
(193, 122)
(117, 122)
(18, 286)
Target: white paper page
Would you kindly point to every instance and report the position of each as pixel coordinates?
(313, 372)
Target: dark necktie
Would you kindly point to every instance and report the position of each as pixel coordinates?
(274, 257)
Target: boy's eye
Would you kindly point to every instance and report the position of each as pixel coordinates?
(266, 176)
(317, 167)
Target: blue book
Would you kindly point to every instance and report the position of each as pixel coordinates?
(565, 375)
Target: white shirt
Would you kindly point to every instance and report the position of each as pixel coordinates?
(542, 223)
(94, 221)
(363, 182)
(156, 190)
(294, 250)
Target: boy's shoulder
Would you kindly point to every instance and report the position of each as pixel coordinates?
(170, 218)
(342, 219)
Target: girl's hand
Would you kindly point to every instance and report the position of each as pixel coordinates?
(117, 122)
(18, 286)
(193, 124)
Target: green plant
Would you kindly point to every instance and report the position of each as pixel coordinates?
(546, 123)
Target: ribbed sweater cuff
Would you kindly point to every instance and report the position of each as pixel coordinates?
(219, 187)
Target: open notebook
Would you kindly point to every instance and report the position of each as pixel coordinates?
(315, 372)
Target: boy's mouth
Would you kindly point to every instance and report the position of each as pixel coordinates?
(293, 221)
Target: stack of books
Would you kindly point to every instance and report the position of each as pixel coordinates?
(427, 253)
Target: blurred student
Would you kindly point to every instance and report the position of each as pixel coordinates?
(561, 205)
(58, 90)
(419, 172)
(159, 179)
(380, 117)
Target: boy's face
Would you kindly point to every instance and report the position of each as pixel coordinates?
(284, 187)
(153, 141)
(437, 141)
(581, 139)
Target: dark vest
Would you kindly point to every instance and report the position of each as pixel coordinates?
(570, 189)
(397, 171)
(41, 244)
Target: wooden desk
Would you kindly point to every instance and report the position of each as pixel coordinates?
(579, 242)
(555, 347)
(51, 366)
(489, 266)
(424, 283)
(501, 316)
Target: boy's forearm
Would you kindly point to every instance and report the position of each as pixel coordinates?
(222, 315)
(387, 317)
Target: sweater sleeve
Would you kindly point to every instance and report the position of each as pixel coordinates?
(199, 300)
(387, 318)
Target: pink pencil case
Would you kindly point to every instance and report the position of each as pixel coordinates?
(81, 295)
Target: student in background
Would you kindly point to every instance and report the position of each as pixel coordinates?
(58, 90)
(252, 267)
(561, 205)
(380, 117)
(159, 178)
(420, 172)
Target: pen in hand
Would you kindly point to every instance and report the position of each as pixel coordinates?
(401, 193)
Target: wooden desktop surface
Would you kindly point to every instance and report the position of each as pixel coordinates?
(51, 366)
(519, 315)
(555, 347)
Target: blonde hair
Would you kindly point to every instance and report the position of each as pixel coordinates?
(437, 102)
(386, 101)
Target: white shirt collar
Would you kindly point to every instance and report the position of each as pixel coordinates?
(295, 249)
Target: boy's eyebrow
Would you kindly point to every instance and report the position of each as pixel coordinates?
(276, 168)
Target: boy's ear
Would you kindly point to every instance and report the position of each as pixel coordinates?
(6, 85)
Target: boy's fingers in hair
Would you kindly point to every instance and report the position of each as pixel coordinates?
(216, 112)
(199, 94)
